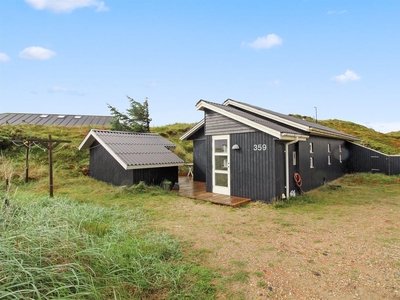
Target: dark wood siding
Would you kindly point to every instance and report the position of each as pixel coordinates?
(217, 124)
(154, 176)
(105, 168)
(322, 172)
(199, 160)
(253, 171)
(368, 160)
(208, 154)
(280, 169)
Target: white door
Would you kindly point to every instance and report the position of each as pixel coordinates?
(221, 164)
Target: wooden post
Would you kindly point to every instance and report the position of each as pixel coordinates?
(50, 148)
(27, 163)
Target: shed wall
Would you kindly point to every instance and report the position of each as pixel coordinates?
(105, 168)
(154, 176)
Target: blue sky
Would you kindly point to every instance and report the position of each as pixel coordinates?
(340, 59)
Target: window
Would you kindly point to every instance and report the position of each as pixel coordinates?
(340, 158)
(329, 148)
(43, 116)
(340, 148)
(329, 160)
(77, 117)
(311, 162)
(61, 117)
(311, 147)
(294, 158)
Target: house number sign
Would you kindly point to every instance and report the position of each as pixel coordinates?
(259, 147)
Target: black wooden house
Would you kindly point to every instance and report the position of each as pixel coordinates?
(127, 158)
(247, 151)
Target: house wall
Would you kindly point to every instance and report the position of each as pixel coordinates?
(105, 168)
(217, 124)
(252, 168)
(367, 160)
(322, 172)
(199, 160)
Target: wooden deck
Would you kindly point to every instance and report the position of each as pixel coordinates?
(197, 190)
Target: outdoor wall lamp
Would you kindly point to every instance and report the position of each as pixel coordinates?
(235, 147)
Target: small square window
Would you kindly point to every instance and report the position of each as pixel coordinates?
(311, 147)
(329, 148)
(329, 160)
(311, 162)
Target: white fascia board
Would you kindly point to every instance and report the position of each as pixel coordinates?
(333, 135)
(192, 130)
(135, 167)
(267, 115)
(291, 137)
(109, 150)
(89, 139)
(201, 105)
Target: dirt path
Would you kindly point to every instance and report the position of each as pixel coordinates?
(341, 252)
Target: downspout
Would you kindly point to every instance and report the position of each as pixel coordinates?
(287, 164)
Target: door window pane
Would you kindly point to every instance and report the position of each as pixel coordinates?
(221, 146)
(221, 162)
(221, 179)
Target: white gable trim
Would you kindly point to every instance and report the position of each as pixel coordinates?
(192, 130)
(267, 115)
(201, 105)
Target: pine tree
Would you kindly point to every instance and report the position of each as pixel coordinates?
(136, 119)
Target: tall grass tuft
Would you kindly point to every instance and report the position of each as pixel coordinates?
(57, 248)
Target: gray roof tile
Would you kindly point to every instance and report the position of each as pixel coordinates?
(134, 150)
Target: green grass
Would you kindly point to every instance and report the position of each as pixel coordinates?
(349, 190)
(59, 248)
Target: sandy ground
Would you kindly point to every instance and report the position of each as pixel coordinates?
(339, 252)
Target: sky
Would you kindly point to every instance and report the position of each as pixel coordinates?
(330, 59)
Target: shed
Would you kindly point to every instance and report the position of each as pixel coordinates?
(247, 151)
(127, 158)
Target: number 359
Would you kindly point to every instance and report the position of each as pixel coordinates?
(259, 147)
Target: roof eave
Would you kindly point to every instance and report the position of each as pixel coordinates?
(192, 130)
(343, 136)
(201, 105)
(267, 115)
(152, 166)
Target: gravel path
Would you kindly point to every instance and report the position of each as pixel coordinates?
(338, 252)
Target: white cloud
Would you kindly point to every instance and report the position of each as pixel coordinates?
(334, 12)
(275, 82)
(66, 5)
(347, 76)
(266, 42)
(36, 53)
(63, 90)
(4, 57)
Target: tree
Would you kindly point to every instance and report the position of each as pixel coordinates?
(136, 119)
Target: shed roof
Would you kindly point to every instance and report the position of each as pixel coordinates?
(54, 119)
(134, 150)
